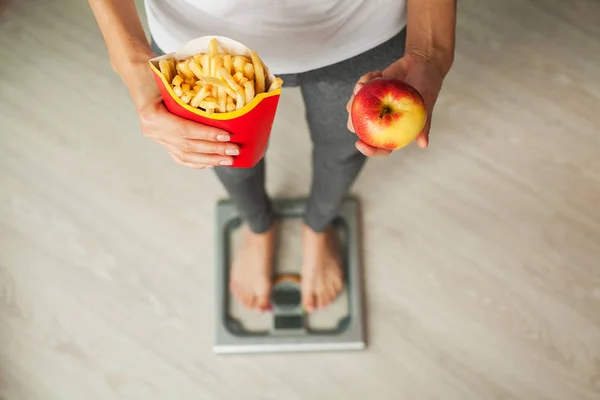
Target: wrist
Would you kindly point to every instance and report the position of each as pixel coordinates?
(440, 59)
(137, 77)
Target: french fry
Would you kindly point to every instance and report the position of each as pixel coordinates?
(222, 100)
(177, 90)
(249, 91)
(195, 68)
(276, 84)
(238, 63)
(205, 64)
(209, 105)
(201, 95)
(249, 71)
(240, 100)
(237, 77)
(215, 81)
(230, 104)
(214, 66)
(259, 73)
(184, 68)
(218, 83)
(227, 62)
(165, 69)
(177, 81)
(186, 97)
(171, 62)
(213, 48)
(229, 79)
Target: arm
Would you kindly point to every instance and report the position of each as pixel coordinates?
(190, 144)
(430, 35)
(128, 48)
(428, 57)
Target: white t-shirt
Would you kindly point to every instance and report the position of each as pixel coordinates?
(291, 36)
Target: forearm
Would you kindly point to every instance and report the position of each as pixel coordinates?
(431, 27)
(127, 45)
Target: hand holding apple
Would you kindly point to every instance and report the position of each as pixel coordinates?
(411, 85)
(388, 113)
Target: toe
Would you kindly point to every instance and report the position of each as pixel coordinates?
(262, 302)
(238, 294)
(321, 299)
(246, 298)
(331, 292)
(330, 297)
(252, 302)
(308, 300)
(337, 284)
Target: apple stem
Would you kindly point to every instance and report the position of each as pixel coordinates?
(383, 112)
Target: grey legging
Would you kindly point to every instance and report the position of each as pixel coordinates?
(336, 162)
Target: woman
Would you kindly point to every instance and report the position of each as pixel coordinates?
(329, 48)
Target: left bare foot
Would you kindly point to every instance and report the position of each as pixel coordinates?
(321, 268)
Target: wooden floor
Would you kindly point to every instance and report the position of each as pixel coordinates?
(482, 254)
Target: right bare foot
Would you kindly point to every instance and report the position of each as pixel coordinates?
(322, 277)
(252, 267)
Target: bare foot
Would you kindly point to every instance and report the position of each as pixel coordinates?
(251, 272)
(321, 268)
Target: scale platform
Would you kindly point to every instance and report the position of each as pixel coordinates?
(287, 328)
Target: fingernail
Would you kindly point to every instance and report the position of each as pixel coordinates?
(226, 162)
(232, 152)
(223, 138)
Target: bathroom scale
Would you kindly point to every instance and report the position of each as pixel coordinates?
(287, 327)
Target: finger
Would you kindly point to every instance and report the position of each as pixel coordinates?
(190, 130)
(204, 146)
(361, 82)
(371, 151)
(350, 124)
(196, 160)
(423, 140)
(367, 77)
(158, 121)
(179, 162)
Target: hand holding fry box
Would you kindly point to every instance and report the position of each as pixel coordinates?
(219, 82)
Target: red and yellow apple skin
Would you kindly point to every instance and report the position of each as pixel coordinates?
(388, 113)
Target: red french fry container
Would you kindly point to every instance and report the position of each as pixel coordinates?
(250, 126)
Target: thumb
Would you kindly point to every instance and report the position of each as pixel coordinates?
(423, 138)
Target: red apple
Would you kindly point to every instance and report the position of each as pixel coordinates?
(388, 113)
